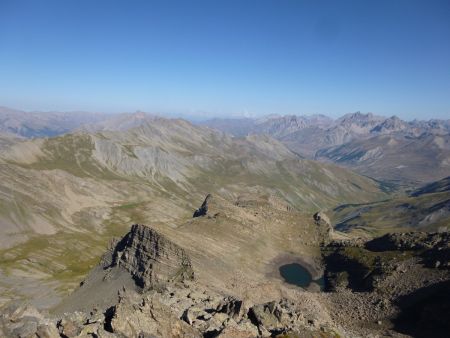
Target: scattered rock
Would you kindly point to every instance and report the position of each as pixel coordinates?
(72, 324)
(148, 317)
(231, 306)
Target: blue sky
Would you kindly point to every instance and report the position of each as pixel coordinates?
(222, 58)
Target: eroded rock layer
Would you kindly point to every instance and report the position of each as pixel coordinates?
(152, 259)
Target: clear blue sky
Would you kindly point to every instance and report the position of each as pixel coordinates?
(227, 57)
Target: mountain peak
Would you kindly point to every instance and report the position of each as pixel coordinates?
(358, 118)
(391, 124)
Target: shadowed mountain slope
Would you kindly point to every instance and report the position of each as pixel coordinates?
(439, 186)
(426, 209)
(397, 158)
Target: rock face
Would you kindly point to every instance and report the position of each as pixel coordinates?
(151, 258)
(203, 210)
(142, 260)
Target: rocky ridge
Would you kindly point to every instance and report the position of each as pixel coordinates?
(391, 285)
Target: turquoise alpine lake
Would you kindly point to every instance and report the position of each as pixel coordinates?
(297, 274)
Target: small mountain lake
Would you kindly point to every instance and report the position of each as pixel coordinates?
(297, 274)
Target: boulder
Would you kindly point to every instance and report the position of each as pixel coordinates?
(71, 325)
(266, 315)
(232, 307)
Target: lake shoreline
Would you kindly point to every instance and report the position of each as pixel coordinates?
(308, 262)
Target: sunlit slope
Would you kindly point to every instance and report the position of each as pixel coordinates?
(63, 198)
(426, 209)
(54, 180)
(400, 159)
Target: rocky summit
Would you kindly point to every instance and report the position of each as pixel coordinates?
(151, 259)
(142, 260)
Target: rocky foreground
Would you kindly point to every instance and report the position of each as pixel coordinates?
(149, 285)
(145, 286)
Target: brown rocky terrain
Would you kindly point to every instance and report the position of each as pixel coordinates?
(217, 276)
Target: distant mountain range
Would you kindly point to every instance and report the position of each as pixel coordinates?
(404, 153)
(388, 149)
(44, 124)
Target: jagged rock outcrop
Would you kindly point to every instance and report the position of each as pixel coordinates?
(325, 227)
(151, 258)
(203, 210)
(321, 218)
(142, 260)
(216, 315)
